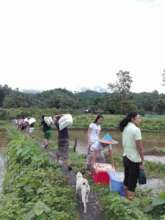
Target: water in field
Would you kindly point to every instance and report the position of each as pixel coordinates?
(150, 140)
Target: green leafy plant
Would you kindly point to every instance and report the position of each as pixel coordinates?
(34, 187)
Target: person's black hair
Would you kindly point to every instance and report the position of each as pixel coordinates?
(97, 118)
(126, 120)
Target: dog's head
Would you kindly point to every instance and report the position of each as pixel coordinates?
(79, 175)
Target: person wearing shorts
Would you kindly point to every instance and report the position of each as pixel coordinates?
(47, 130)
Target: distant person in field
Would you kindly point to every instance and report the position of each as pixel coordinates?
(133, 158)
(47, 130)
(93, 133)
(31, 122)
(23, 123)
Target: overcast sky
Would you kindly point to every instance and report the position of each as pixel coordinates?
(77, 44)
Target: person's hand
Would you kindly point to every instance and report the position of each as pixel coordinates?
(142, 165)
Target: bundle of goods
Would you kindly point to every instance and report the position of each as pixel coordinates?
(65, 121)
(48, 120)
(31, 121)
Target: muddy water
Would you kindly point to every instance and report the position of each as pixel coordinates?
(150, 140)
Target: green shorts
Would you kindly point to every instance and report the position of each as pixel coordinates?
(47, 134)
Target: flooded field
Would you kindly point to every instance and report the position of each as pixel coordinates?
(150, 140)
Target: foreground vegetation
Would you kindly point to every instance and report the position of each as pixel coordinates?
(146, 206)
(34, 187)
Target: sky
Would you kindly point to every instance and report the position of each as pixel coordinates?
(81, 44)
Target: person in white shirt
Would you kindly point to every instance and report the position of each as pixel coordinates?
(94, 130)
(133, 158)
(93, 134)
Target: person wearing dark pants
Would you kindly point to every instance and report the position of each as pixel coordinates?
(63, 142)
(131, 173)
(133, 158)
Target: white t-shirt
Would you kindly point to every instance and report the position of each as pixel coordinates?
(94, 132)
(98, 146)
(130, 135)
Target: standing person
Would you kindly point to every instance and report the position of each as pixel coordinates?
(23, 123)
(31, 122)
(94, 130)
(93, 135)
(47, 130)
(31, 128)
(63, 139)
(133, 158)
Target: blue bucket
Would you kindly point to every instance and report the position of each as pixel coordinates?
(116, 184)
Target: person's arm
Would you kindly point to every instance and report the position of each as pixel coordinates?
(111, 155)
(139, 146)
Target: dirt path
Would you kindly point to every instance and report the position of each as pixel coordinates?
(93, 208)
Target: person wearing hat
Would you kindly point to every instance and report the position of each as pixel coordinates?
(97, 150)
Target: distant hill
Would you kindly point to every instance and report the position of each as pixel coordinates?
(31, 91)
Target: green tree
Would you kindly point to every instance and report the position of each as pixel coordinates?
(123, 85)
(160, 107)
(121, 88)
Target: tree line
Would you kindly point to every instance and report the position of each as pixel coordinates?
(118, 100)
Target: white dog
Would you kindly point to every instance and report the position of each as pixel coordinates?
(83, 186)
